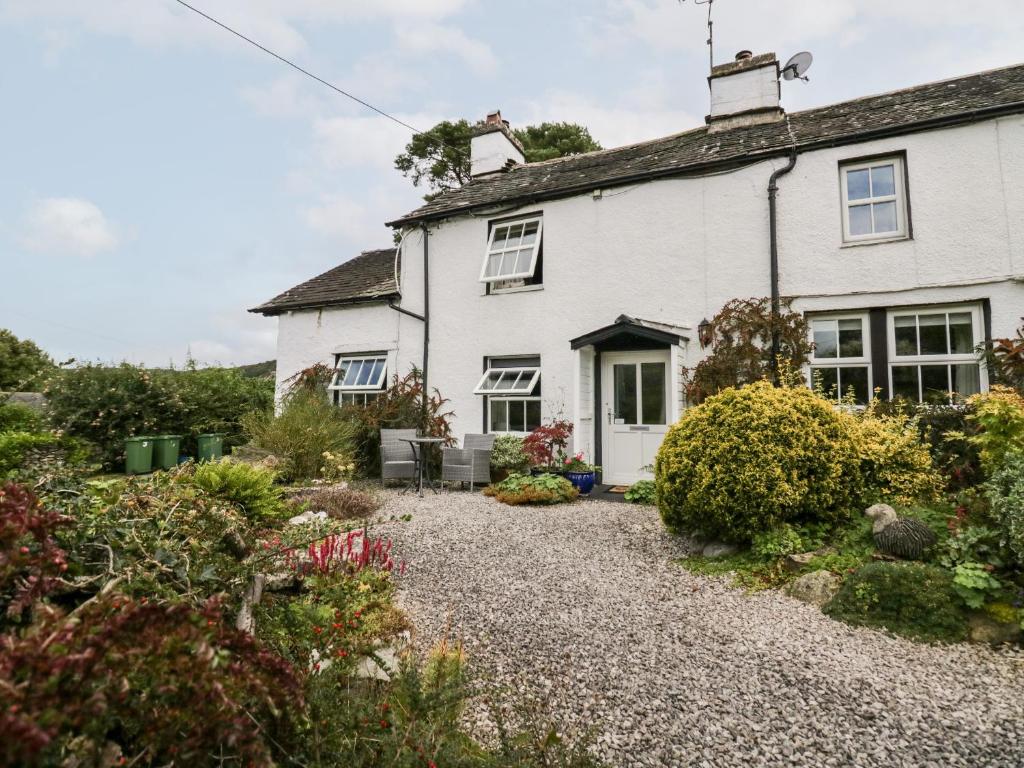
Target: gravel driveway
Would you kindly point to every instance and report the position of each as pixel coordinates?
(582, 606)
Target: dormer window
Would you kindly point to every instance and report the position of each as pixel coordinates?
(512, 253)
(874, 200)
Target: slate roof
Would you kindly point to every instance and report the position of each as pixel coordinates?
(960, 100)
(370, 276)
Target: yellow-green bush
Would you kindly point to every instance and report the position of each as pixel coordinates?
(896, 466)
(1000, 414)
(748, 459)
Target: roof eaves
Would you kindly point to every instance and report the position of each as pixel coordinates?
(279, 309)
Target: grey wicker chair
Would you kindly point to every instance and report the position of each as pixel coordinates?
(397, 457)
(469, 464)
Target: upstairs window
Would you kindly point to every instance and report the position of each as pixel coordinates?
(874, 200)
(508, 381)
(932, 353)
(512, 253)
(840, 363)
(359, 379)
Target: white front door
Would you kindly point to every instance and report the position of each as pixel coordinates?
(635, 396)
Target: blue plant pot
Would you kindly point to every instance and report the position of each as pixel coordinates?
(584, 481)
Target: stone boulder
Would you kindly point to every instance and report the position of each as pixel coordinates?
(816, 587)
(719, 549)
(984, 629)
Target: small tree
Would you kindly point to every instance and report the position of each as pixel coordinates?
(742, 347)
(22, 363)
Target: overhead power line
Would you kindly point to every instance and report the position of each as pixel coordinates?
(319, 79)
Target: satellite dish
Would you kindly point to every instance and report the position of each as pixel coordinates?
(796, 66)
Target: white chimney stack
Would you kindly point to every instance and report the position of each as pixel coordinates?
(745, 92)
(494, 147)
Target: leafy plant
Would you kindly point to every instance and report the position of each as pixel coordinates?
(22, 363)
(249, 487)
(909, 599)
(533, 489)
(576, 463)
(749, 459)
(1000, 415)
(546, 444)
(777, 542)
(974, 583)
(508, 453)
(15, 417)
(641, 492)
(1005, 491)
(1006, 360)
(741, 350)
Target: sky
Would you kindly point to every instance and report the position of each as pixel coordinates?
(160, 176)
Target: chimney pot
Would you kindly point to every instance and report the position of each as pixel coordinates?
(744, 55)
(494, 118)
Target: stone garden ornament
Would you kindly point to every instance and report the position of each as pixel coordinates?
(902, 537)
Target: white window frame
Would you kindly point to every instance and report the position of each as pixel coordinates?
(375, 385)
(949, 359)
(861, 361)
(523, 390)
(491, 400)
(359, 399)
(490, 251)
(899, 197)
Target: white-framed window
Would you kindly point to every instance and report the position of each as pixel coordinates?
(359, 373)
(512, 251)
(511, 386)
(933, 352)
(841, 360)
(874, 200)
(357, 398)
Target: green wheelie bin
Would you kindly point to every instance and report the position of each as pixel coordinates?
(165, 451)
(209, 447)
(138, 455)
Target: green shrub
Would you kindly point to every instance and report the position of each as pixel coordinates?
(14, 446)
(1006, 494)
(533, 489)
(251, 488)
(974, 583)
(641, 492)
(31, 453)
(1000, 415)
(917, 601)
(748, 459)
(777, 542)
(15, 417)
(508, 453)
(106, 404)
(308, 427)
(895, 464)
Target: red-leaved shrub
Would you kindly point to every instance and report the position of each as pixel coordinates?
(30, 560)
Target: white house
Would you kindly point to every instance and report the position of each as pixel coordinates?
(574, 287)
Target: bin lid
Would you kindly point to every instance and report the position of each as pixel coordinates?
(212, 434)
(138, 438)
(167, 437)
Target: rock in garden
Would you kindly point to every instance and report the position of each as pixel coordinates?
(816, 587)
(719, 549)
(307, 517)
(798, 562)
(903, 537)
(985, 629)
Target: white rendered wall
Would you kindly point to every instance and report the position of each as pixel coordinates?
(676, 250)
(490, 152)
(744, 91)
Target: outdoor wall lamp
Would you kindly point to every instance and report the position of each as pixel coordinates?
(705, 333)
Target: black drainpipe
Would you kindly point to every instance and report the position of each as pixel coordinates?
(773, 188)
(425, 319)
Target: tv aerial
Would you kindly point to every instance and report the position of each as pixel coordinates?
(711, 35)
(797, 65)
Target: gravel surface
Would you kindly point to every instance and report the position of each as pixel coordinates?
(583, 607)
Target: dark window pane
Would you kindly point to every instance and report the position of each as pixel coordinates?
(860, 220)
(352, 373)
(516, 416)
(499, 416)
(906, 334)
(857, 185)
(855, 379)
(966, 379)
(933, 334)
(825, 340)
(652, 379)
(904, 382)
(883, 182)
(961, 333)
(851, 338)
(827, 380)
(935, 383)
(625, 392)
(532, 415)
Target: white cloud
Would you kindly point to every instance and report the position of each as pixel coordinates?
(371, 141)
(424, 38)
(337, 216)
(237, 337)
(68, 225)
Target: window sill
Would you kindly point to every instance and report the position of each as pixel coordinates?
(518, 289)
(879, 241)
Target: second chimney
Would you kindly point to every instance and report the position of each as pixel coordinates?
(493, 147)
(745, 91)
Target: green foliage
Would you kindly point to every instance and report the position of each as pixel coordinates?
(400, 406)
(741, 352)
(22, 364)
(308, 427)
(895, 464)
(777, 542)
(15, 417)
(508, 453)
(17, 450)
(748, 459)
(104, 405)
(971, 543)
(642, 492)
(251, 488)
(1006, 360)
(1005, 492)
(1000, 415)
(533, 489)
(946, 430)
(974, 583)
(910, 599)
(547, 141)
